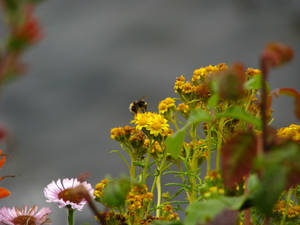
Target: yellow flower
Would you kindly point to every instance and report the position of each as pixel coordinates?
(117, 133)
(201, 73)
(142, 120)
(156, 148)
(290, 132)
(99, 188)
(166, 104)
(183, 108)
(252, 72)
(221, 191)
(154, 123)
(179, 83)
(213, 175)
(173, 216)
(158, 125)
(187, 88)
(213, 189)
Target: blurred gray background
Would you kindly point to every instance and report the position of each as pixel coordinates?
(98, 56)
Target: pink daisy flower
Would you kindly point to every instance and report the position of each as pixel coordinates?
(15, 216)
(59, 192)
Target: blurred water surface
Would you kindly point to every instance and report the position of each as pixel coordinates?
(98, 56)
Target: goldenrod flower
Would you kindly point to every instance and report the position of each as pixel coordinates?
(158, 125)
(290, 132)
(183, 108)
(142, 120)
(154, 123)
(201, 73)
(165, 105)
(179, 84)
(188, 88)
(116, 133)
(251, 72)
(156, 148)
(99, 188)
(213, 175)
(293, 210)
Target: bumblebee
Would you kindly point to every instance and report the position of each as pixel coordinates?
(138, 106)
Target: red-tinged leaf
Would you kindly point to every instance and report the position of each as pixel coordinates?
(226, 217)
(4, 193)
(231, 82)
(237, 157)
(276, 54)
(288, 91)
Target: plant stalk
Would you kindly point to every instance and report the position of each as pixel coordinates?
(71, 216)
(288, 199)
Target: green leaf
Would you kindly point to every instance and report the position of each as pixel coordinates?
(270, 188)
(161, 222)
(213, 101)
(237, 113)
(204, 211)
(197, 116)
(115, 192)
(253, 83)
(214, 86)
(280, 169)
(174, 143)
(234, 202)
(253, 183)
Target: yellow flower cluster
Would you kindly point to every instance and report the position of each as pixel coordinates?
(99, 188)
(183, 108)
(213, 191)
(165, 105)
(199, 87)
(293, 210)
(138, 198)
(213, 175)
(119, 133)
(290, 132)
(179, 83)
(251, 72)
(156, 148)
(203, 72)
(168, 214)
(155, 123)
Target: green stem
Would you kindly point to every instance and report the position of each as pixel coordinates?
(158, 187)
(71, 216)
(194, 166)
(132, 171)
(183, 181)
(288, 199)
(208, 148)
(146, 163)
(219, 144)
